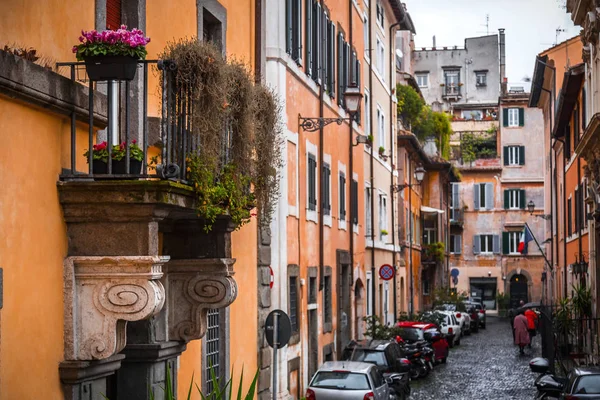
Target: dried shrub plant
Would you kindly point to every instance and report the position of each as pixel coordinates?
(236, 125)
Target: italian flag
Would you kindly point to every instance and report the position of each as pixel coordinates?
(526, 237)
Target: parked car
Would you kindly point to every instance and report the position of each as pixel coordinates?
(582, 383)
(474, 314)
(348, 380)
(389, 357)
(451, 328)
(461, 315)
(481, 309)
(431, 334)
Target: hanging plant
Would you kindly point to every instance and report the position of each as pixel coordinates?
(236, 124)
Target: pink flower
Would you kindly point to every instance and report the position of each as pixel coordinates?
(74, 49)
(134, 141)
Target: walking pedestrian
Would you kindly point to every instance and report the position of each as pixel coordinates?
(511, 317)
(531, 324)
(521, 332)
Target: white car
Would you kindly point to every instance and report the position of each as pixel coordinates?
(451, 326)
(463, 318)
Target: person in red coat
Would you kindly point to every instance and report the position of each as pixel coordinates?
(521, 332)
(531, 324)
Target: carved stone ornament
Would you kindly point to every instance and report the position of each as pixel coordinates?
(195, 286)
(592, 173)
(586, 53)
(591, 27)
(101, 294)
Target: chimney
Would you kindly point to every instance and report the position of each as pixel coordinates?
(434, 41)
(502, 62)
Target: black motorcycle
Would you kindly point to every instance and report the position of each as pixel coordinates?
(548, 386)
(415, 353)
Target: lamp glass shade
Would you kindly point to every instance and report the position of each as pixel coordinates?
(531, 206)
(352, 98)
(419, 174)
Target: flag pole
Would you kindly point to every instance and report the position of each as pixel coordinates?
(539, 247)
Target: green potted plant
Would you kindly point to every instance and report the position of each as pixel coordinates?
(381, 150)
(370, 138)
(118, 153)
(384, 232)
(111, 55)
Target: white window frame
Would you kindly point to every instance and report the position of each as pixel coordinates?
(369, 294)
(368, 208)
(383, 220)
(312, 215)
(513, 242)
(514, 199)
(366, 36)
(327, 219)
(342, 224)
(513, 117)
(380, 58)
(451, 236)
(381, 127)
(513, 151)
(379, 5)
(486, 249)
(479, 75)
(367, 97)
(427, 234)
(422, 80)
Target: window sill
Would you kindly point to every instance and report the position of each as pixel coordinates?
(355, 228)
(327, 220)
(514, 166)
(327, 327)
(294, 339)
(342, 225)
(311, 215)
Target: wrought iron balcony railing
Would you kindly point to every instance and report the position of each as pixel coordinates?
(136, 145)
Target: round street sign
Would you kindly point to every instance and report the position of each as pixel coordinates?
(271, 277)
(284, 328)
(386, 272)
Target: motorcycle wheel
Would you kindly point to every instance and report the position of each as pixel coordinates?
(423, 371)
(541, 396)
(414, 373)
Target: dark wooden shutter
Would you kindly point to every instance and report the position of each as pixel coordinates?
(521, 117)
(506, 199)
(317, 42)
(457, 244)
(309, 37)
(340, 68)
(522, 199)
(521, 155)
(583, 110)
(342, 184)
(569, 217)
(330, 56)
(505, 117)
(113, 14)
(289, 26)
(506, 150)
(326, 185)
(505, 239)
(354, 198)
(312, 174)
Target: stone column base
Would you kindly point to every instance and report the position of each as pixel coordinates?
(86, 380)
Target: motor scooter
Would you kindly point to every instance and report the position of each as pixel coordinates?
(414, 353)
(549, 387)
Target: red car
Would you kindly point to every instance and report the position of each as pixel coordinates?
(432, 334)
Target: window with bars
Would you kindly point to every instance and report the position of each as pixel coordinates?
(326, 182)
(212, 350)
(293, 303)
(354, 200)
(293, 24)
(312, 182)
(327, 314)
(342, 200)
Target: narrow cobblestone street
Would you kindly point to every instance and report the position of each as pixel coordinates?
(485, 366)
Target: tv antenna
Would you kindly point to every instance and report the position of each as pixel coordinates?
(487, 24)
(559, 30)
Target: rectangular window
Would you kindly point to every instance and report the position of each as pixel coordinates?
(486, 243)
(569, 217)
(330, 62)
(293, 303)
(327, 298)
(367, 113)
(452, 82)
(483, 196)
(576, 126)
(380, 14)
(429, 235)
(113, 14)
(514, 117)
(309, 37)
(514, 155)
(380, 61)
(382, 216)
(326, 183)
(366, 35)
(312, 182)
(354, 201)
(481, 78)
(455, 244)
(317, 25)
(294, 29)
(312, 289)
(342, 199)
(368, 230)
(514, 199)
(425, 287)
(513, 239)
(380, 127)
(212, 347)
(423, 80)
(369, 294)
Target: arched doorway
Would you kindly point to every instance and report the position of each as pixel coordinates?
(518, 290)
(359, 305)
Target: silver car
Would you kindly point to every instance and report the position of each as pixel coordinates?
(348, 380)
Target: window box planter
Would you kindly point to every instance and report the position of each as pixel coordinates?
(111, 68)
(118, 167)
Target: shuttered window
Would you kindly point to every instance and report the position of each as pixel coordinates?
(514, 199)
(113, 14)
(330, 67)
(486, 244)
(354, 200)
(293, 22)
(293, 304)
(327, 299)
(455, 244)
(514, 155)
(510, 242)
(309, 37)
(483, 196)
(317, 37)
(312, 182)
(326, 183)
(513, 117)
(342, 200)
(583, 110)
(569, 217)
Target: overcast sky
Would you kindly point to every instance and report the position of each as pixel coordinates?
(530, 26)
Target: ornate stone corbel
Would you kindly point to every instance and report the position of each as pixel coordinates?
(193, 287)
(591, 27)
(101, 294)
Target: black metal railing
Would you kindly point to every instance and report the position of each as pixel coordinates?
(457, 216)
(128, 124)
(577, 341)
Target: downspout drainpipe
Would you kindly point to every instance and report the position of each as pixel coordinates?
(371, 180)
(320, 174)
(579, 228)
(350, 225)
(410, 241)
(392, 196)
(565, 292)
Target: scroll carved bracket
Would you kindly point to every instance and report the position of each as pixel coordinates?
(101, 295)
(195, 286)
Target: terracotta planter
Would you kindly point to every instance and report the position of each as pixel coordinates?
(111, 68)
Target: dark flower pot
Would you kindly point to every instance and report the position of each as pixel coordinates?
(99, 167)
(118, 167)
(106, 68)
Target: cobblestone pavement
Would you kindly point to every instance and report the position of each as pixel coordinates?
(485, 366)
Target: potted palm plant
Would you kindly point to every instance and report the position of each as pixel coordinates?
(111, 55)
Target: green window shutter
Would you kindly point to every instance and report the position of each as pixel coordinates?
(505, 155)
(506, 198)
(522, 199)
(521, 155)
(505, 117)
(521, 117)
(505, 243)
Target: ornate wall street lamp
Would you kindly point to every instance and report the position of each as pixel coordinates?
(531, 208)
(580, 266)
(419, 176)
(352, 98)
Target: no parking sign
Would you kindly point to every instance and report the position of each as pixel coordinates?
(386, 272)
